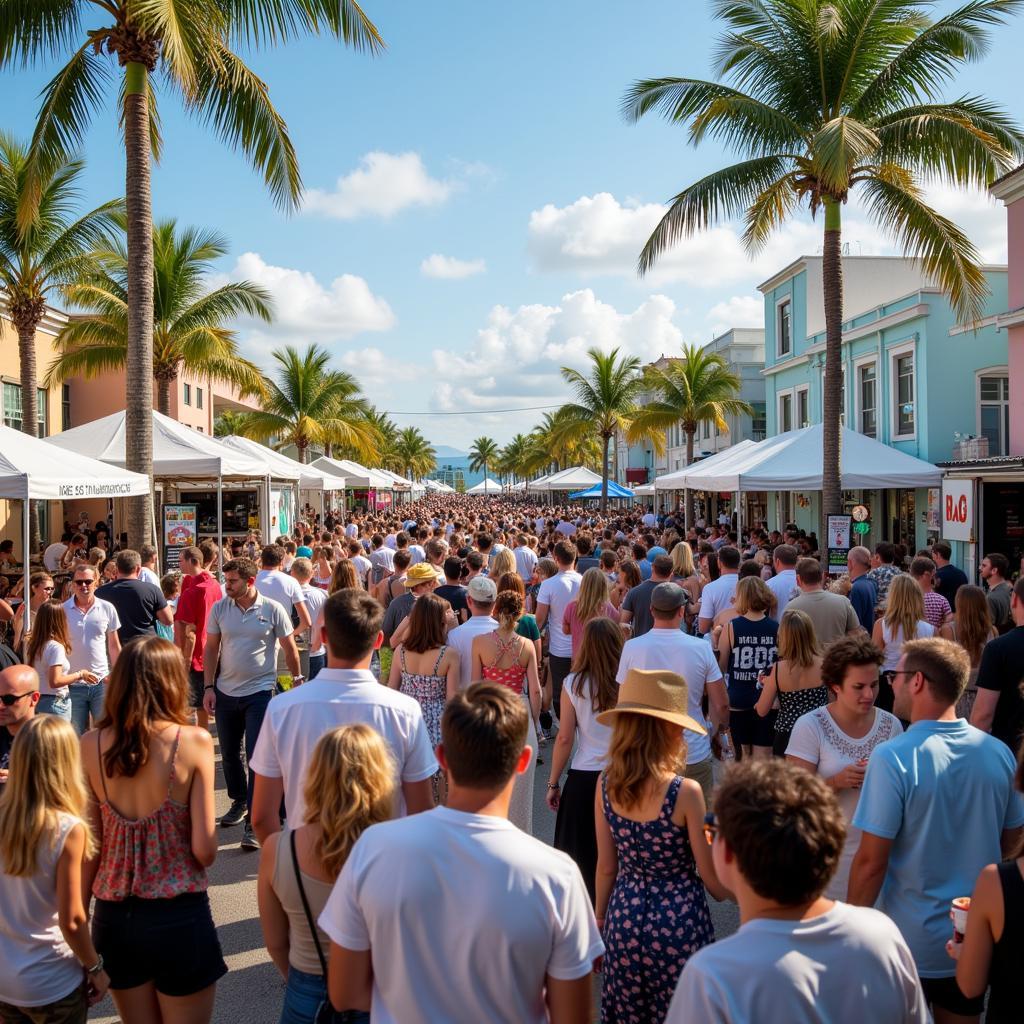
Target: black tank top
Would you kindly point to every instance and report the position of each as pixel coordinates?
(1004, 1001)
(753, 652)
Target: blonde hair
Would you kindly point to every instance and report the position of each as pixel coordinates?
(642, 749)
(592, 596)
(682, 560)
(753, 595)
(350, 786)
(798, 643)
(904, 607)
(504, 561)
(45, 778)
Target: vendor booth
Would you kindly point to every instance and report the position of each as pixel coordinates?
(486, 486)
(367, 487)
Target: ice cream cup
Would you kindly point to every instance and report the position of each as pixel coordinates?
(958, 911)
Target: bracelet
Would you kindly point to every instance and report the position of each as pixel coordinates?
(96, 967)
(209, 687)
(554, 785)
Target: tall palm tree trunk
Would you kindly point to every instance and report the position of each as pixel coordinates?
(832, 274)
(163, 396)
(688, 510)
(139, 361)
(26, 314)
(605, 444)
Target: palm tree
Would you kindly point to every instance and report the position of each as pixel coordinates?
(385, 434)
(698, 388)
(512, 457)
(822, 98)
(415, 454)
(482, 454)
(191, 44)
(308, 404)
(228, 423)
(189, 332)
(41, 260)
(606, 403)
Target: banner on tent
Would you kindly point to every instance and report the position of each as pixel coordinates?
(281, 513)
(838, 542)
(180, 530)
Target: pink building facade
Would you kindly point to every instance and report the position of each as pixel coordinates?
(1010, 189)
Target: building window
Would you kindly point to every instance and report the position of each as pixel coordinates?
(867, 384)
(785, 413)
(199, 398)
(903, 375)
(759, 421)
(784, 328)
(12, 408)
(186, 393)
(803, 408)
(65, 407)
(994, 412)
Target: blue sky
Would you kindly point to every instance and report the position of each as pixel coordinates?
(476, 203)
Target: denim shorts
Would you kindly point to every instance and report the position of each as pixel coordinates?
(54, 704)
(303, 996)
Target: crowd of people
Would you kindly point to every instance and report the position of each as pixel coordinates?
(716, 720)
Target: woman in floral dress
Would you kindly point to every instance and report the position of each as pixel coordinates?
(426, 668)
(653, 860)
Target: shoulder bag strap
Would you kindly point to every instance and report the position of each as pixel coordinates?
(305, 907)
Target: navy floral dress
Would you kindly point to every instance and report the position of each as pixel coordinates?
(657, 917)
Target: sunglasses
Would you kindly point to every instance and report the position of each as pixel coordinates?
(10, 699)
(711, 828)
(84, 583)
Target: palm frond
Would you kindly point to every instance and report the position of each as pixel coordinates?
(258, 23)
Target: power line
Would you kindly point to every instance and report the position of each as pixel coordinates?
(477, 412)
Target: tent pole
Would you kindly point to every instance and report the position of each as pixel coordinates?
(267, 539)
(25, 530)
(220, 523)
(739, 518)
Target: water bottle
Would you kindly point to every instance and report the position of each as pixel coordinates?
(728, 754)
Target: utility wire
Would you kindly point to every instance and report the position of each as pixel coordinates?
(477, 412)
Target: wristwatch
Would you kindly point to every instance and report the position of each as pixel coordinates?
(96, 967)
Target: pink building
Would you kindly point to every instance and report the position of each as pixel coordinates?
(1010, 189)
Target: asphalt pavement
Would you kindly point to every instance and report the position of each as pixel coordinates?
(252, 991)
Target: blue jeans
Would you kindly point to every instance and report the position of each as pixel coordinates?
(86, 699)
(316, 663)
(305, 992)
(54, 704)
(239, 720)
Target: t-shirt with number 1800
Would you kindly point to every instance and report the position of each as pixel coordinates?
(753, 652)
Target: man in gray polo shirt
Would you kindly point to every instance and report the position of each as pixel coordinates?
(242, 634)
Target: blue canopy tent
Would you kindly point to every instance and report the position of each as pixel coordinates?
(614, 491)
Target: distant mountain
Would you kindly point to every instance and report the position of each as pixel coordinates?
(444, 451)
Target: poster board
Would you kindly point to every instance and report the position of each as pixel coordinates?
(838, 543)
(282, 513)
(180, 529)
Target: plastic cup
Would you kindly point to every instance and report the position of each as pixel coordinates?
(958, 911)
(284, 681)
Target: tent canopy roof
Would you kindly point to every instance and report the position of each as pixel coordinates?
(486, 486)
(177, 450)
(614, 491)
(400, 482)
(355, 475)
(793, 461)
(573, 479)
(677, 479)
(36, 469)
(310, 478)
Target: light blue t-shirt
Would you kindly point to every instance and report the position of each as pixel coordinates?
(943, 793)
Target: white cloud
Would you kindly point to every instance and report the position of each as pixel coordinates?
(737, 311)
(381, 186)
(977, 213)
(448, 268)
(307, 310)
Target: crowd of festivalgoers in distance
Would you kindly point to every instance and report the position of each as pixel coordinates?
(710, 717)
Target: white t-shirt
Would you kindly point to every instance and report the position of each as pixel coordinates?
(717, 595)
(295, 721)
(817, 738)
(89, 629)
(566, 528)
(783, 586)
(650, 519)
(148, 576)
(52, 556)
(592, 738)
(53, 653)
(673, 650)
(526, 561)
(315, 600)
(417, 553)
(847, 965)
(894, 643)
(280, 587)
(461, 638)
(506, 909)
(363, 566)
(556, 593)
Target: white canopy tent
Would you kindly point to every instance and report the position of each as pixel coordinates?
(538, 484)
(577, 478)
(355, 474)
(486, 486)
(677, 480)
(179, 453)
(35, 470)
(644, 490)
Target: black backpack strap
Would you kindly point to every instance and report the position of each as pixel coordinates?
(305, 907)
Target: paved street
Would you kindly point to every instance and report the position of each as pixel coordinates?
(252, 990)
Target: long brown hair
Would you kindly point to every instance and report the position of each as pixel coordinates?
(798, 643)
(642, 749)
(350, 786)
(592, 598)
(973, 620)
(904, 607)
(426, 624)
(514, 582)
(631, 571)
(597, 662)
(343, 577)
(149, 684)
(50, 623)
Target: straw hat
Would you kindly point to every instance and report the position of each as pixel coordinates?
(655, 693)
(422, 572)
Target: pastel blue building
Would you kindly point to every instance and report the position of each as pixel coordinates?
(453, 468)
(914, 377)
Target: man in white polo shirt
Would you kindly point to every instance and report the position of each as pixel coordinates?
(667, 647)
(783, 583)
(272, 582)
(552, 600)
(343, 693)
(242, 635)
(481, 593)
(718, 594)
(526, 558)
(92, 625)
(513, 914)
